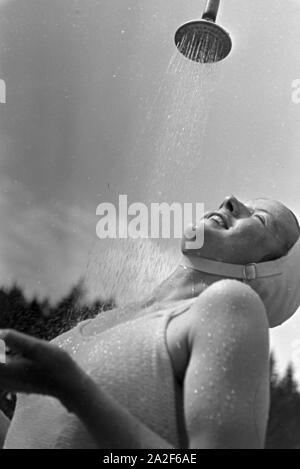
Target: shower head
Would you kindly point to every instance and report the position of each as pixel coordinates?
(203, 40)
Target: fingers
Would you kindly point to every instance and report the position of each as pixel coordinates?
(22, 343)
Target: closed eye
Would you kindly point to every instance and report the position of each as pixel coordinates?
(261, 218)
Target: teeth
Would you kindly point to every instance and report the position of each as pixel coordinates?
(218, 219)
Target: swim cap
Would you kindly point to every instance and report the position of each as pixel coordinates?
(276, 282)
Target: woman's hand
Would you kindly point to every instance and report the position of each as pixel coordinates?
(36, 366)
(42, 368)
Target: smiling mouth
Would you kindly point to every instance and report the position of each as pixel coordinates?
(219, 219)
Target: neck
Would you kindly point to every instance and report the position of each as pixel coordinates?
(184, 283)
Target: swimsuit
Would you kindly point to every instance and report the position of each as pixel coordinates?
(130, 361)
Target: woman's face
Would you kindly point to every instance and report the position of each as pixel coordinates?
(241, 233)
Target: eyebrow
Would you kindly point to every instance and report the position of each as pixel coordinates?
(266, 211)
(253, 209)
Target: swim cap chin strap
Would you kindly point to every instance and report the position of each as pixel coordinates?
(245, 272)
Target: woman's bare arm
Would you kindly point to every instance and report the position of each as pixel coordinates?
(226, 386)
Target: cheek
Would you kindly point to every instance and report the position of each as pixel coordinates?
(247, 234)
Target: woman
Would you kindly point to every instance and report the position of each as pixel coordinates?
(189, 369)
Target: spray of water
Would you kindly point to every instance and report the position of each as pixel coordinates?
(177, 123)
(128, 270)
(174, 130)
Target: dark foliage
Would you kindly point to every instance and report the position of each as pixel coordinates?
(41, 319)
(284, 420)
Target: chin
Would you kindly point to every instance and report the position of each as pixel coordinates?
(188, 236)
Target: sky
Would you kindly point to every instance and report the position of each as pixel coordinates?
(81, 76)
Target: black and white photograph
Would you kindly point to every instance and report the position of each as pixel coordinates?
(149, 236)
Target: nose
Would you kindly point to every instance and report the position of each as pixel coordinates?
(234, 206)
